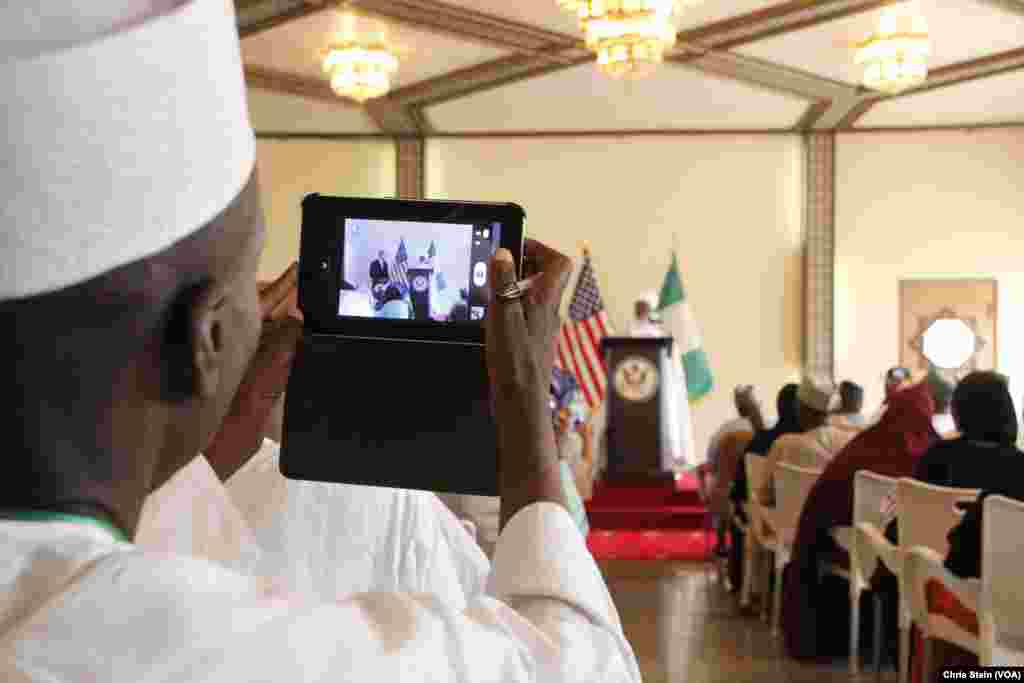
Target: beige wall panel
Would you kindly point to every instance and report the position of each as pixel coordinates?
(291, 169)
(734, 202)
(924, 205)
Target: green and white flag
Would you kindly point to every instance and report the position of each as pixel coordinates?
(677, 317)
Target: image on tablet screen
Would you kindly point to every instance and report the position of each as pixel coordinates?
(407, 270)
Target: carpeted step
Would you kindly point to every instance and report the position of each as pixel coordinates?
(650, 545)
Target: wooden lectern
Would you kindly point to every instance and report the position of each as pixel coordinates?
(419, 292)
(638, 403)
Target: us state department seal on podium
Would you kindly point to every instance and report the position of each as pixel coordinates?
(636, 379)
(419, 283)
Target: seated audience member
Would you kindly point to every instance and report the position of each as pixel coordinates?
(984, 456)
(787, 407)
(124, 350)
(942, 393)
(985, 445)
(815, 607)
(749, 412)
(896, 379)
(985, 452)
(730, 456)
(851, 403)
(571, 448)
(394, 306)
(817, 442)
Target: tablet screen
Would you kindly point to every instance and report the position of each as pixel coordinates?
(418, 271)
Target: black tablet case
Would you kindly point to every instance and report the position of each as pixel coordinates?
(392, 413)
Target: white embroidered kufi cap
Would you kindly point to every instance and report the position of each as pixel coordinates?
(126, 131)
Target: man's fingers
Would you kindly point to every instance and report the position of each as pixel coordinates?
(278, 291)
(506, 326)
(554, 269)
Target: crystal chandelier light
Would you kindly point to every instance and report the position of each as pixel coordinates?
(629, 37)
(360, 69)
(895, 58)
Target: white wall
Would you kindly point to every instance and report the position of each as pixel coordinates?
(291, 169)
(733, 202)
(937, 205)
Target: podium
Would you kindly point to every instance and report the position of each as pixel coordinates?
(419, 292)
(639, 383)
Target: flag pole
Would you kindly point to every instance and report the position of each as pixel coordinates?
(585, 246)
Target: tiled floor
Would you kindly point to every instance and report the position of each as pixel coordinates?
(684, 627)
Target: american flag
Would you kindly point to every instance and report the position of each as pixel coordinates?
(399, 272)
(579, 344)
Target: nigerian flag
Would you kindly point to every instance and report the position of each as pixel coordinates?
(678, 320)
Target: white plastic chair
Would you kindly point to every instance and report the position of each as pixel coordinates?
(921, 565)
(925, 515)
(760, 529)
(866, 544)
(1001, 617)
(792, 486)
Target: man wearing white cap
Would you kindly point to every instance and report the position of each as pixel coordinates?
(819, 442)
(131, 233)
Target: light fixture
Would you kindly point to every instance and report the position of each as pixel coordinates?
(360, 68)
(629, 37)
(895, 58)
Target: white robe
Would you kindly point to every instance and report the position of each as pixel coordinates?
(76, 605)
(318, 538)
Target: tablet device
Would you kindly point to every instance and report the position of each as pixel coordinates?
(389, 385)
(402, 269)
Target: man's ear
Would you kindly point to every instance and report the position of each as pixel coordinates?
(207, 340)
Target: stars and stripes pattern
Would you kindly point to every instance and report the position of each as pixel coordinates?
(399, 270)
(579, 344)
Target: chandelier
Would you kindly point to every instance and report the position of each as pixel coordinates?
(629, 37)
(360, 69)
(896, 57)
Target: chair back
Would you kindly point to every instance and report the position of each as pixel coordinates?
(1002, 561)
(870, 490)
(730, 459)
(792, 486)
(927, 512)
(757, 476)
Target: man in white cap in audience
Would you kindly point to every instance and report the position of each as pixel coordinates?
(131, 234)
(820, 441)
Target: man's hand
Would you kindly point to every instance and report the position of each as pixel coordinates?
(520, 352)
(263, 385)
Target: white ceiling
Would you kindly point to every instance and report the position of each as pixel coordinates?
(960, 30)
(987, 100)
(297, 47)
(272, 112)
(581, 98)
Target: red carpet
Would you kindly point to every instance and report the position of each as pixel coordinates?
(605, 544)
(659, 521)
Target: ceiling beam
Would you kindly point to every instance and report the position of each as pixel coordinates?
(393, 118)
(290, 84)
(762, 73)
(943, 77)
(774, 20)
(1012, 6)
(256, 16)
(478, 78)
(813, 114)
